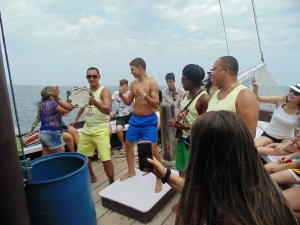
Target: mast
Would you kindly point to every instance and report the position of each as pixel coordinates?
(12, 196)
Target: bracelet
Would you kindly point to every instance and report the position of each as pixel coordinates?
(166, 177)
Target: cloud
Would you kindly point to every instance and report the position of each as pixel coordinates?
(62, 38)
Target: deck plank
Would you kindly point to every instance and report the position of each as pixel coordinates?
(107, 217)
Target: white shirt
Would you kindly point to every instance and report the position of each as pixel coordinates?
(121, 108)
(169, 97)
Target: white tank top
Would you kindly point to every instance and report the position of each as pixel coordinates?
(282, 124)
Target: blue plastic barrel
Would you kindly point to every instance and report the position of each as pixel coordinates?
(60, 191)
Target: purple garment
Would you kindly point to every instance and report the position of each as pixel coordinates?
(50, 118)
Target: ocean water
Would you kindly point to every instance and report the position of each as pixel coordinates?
(27, 98)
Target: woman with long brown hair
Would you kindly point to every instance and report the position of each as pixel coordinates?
(225, 181)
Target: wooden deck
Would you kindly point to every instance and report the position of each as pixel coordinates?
(108, 217)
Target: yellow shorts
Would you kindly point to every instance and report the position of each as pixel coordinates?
(88, 143)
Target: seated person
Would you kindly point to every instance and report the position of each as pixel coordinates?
(287, 169)
(292, 197)
(122, 113)
(280, 129)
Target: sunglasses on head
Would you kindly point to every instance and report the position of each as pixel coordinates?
(295, 92)
(91, 76)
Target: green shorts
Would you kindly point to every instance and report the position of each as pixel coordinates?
(88, 143)
(182, 155)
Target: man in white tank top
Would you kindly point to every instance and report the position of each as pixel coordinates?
(233, 96)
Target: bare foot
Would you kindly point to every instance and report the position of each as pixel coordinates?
(175, 207)
(158, 186)
(126, 176)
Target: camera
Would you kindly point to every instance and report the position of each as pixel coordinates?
(144, 152)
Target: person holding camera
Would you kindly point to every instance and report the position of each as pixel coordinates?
(225, 183)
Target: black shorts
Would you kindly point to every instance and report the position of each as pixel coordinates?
(123, 120)
(272, 138)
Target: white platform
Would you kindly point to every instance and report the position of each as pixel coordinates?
(136, 193)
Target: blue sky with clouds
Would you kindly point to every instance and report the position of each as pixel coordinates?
(52, 42)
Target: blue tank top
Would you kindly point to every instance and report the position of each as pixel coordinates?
(50, 118)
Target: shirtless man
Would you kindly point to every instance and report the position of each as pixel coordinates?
(233, 96)
(143, 123)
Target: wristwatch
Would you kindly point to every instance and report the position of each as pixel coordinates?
(143, 95)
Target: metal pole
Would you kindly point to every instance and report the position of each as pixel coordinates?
(12, 196)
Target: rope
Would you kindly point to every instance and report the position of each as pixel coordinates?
(224, 27)
(257, 32)
(246, 75)
(25, 163)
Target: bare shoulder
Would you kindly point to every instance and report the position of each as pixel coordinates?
(153, 83)
(105, 93)
(245, 96)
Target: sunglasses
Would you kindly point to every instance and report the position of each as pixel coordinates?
(91, 76)
(295, 92)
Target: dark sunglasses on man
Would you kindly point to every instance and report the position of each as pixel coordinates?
(91, 76)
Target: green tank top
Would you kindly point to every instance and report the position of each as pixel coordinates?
(228, 103)
(95, 120)
(192, 115)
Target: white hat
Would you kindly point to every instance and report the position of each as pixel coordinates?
(296, 88)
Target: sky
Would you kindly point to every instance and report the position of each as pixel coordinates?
(53, 42)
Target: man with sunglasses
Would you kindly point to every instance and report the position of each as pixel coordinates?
(172, 94)
(95, 132)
